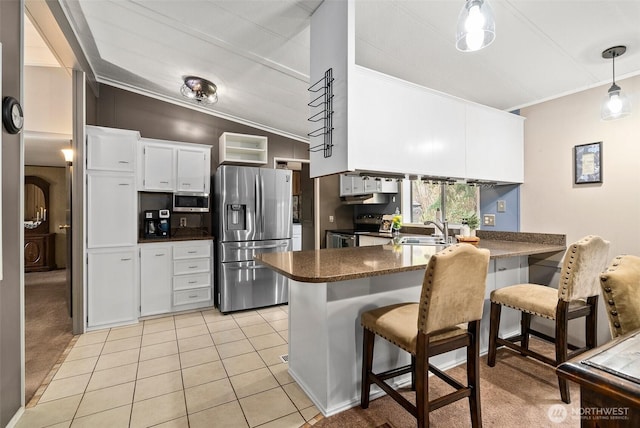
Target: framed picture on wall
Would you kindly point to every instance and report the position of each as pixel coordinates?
(588, 163)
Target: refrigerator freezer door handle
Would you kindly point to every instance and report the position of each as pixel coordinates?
(260, 247)
(257, 202)
(256, 266)
(262, 200)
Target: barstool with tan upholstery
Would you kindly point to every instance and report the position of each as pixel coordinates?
(576, 296)
(621, 291)
(446, 318)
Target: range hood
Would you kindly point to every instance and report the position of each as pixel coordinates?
(368, 198)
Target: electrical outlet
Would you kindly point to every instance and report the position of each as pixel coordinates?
(502, 206)
(330, 219)
(183, 222)
(489, 220)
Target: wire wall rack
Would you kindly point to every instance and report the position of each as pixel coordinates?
(322, 105)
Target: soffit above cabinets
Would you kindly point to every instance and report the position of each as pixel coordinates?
(257, 52)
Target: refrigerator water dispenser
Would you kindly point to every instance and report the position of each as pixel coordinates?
(236, 217)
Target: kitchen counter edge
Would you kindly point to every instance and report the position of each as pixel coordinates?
(341, 264)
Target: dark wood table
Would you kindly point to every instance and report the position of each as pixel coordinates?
(609, 379)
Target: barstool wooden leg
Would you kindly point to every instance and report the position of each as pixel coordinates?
(591, 323)
(562, 327)
(525, 325)
(494, 325)
(413, 372)
(368, 339)
(473, 374)
(422, 381)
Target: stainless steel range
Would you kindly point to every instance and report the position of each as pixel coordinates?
(367, 223)
(364, 223)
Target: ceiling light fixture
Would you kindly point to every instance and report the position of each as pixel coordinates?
(199, 90)
(616, 105)
(476, 26)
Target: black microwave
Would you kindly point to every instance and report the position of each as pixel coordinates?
(190, 203)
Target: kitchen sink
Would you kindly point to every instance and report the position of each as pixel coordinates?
(420, 240)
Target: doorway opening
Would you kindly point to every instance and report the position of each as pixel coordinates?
(304, 195)
(48, 97)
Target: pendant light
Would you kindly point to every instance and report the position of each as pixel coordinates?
(616, 105)
(476, 26)
(199, 90)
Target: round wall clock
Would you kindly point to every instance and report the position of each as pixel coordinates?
(12, 116)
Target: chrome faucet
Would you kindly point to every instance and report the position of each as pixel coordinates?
(442, 227)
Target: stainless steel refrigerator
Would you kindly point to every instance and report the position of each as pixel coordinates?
(252, 215)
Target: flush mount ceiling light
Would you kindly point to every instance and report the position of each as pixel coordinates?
(616, 105)
(199, 90)
(476, 26)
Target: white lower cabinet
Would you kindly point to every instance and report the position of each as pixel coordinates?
(507, 271)
(367, 241)
(503, 272)
(112, 287)
(175, 276)
(192, 275)
(155, 278)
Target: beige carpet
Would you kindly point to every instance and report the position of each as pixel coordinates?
(517, 392)
(47, 325)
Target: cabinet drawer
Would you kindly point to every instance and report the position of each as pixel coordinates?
(181, 267)
(184, 297)
(191, 281)
(192, 250)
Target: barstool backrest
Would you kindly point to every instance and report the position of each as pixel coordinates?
(583, 262)
(453, 288)
(621, 291)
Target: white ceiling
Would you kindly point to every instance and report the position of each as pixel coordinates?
(257, 52)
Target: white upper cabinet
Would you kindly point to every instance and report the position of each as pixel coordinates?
(111, 210)
(194, 170)
(111, 149)
(157, 170)
(346, 185)
(170, 166)
(380, 185)
(495, 149)
(387, 125)
(243, 149)
(357, 185)
(410, 130)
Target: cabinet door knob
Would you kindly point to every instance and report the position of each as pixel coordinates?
(64, 226)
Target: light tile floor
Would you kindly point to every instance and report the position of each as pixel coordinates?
(198, 369)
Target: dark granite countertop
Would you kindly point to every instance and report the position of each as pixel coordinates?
(182, 234)
(340, 264)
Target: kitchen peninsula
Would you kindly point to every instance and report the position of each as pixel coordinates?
(330, 288)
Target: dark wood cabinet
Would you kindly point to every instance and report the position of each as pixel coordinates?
(39, 252)
(39, 243)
